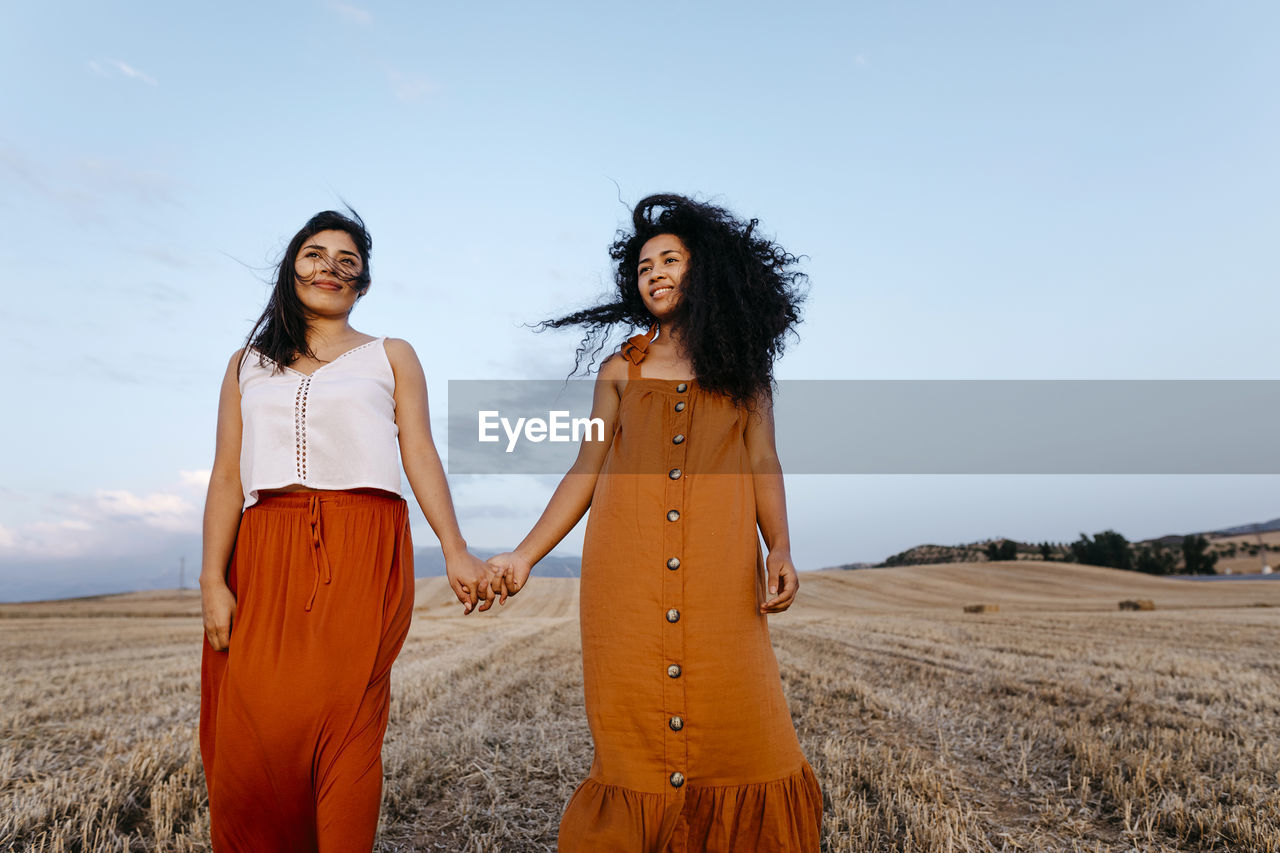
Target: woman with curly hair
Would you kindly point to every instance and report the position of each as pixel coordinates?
(694, 746)
(307, 582)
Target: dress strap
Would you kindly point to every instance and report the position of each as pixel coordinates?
(636, 348)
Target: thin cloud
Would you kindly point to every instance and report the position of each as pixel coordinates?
(114, 178)
(109, 521)
(165, 511)
(410, 86)
(133, 73)
(199, 479)
(91, 190)
(355, 14)
(24, 170)
(104, 369)
(158, 293)
(49, 539)
(168, 257)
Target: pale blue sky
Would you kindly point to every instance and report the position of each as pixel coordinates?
(1082, 190)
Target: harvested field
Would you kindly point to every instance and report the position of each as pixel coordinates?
(1056, 723)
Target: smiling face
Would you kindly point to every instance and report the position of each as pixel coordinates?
(327, 269)
(660, 271)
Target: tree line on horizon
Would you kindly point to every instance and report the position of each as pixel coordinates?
(1194, 555)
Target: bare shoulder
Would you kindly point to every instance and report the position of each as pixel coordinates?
(237, 358)
(400, 351)
(613, 370)
(762, 401)
(614, 367)
(759, 411)
(405, 366)
(230, 385)
(398, 345)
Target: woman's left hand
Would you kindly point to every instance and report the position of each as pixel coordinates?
(784, 582)
(469, 578)
(508, 573)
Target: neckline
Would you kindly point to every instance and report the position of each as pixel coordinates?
(327, 363)
(634, 351)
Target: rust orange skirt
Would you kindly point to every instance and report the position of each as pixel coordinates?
(293, 714)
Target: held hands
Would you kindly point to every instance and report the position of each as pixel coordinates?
(218, 610)
(469, 579)
(508, 572)
(784, 582)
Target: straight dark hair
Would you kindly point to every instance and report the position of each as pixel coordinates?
(280, 335)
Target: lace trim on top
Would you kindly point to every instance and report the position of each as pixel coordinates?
(300, 426)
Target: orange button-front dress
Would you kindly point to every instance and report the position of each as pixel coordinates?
(694, 745)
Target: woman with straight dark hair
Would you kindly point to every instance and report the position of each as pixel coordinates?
(307, 579)
(695, 750)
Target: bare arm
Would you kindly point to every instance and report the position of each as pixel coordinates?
(468, 576)
(771, 506)
(222, 507)
(573, 496)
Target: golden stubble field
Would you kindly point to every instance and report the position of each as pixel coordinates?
(1055, 724)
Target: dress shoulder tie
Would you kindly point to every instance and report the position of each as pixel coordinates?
(636, 348)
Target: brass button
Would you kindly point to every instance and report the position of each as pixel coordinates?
(673, 515)
(678, 439)
(680, 406)
(676, 724)
(673, 671)
(673, 563)
(674, 473)
(677, 779)
(673, 615)
(682, 387)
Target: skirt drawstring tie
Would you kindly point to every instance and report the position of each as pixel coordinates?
(319, 557)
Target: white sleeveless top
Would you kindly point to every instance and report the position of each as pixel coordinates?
(334, 429)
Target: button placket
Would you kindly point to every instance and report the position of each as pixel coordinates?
(676, 442)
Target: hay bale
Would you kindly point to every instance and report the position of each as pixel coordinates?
(981, 608)
(1138, 604)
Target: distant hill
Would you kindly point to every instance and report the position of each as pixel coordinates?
(1229, 552)
(973, 552)
(925, 555)
(1264, 527)
(429, 563)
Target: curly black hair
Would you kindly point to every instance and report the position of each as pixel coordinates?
(740, 296)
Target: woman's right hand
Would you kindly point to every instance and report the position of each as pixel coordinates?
(469, 579)
(218, 607)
